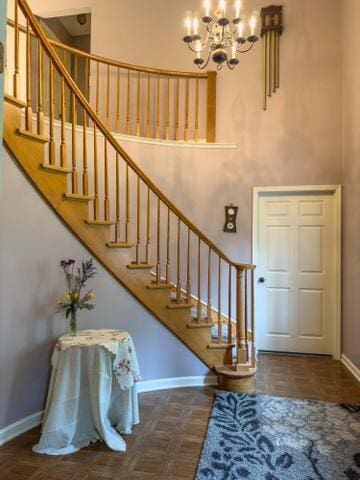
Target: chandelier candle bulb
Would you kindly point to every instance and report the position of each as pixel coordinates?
(196, 26)
(237, 8)
(252, 24)
(207, 8)
(188, 25)
(222, 7)
(233, 50)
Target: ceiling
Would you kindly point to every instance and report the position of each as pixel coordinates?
(74, 28)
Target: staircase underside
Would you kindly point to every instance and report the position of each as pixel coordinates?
(52, 184)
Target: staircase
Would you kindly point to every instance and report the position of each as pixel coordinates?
(115, 210)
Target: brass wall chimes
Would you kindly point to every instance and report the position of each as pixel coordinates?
(271, 30)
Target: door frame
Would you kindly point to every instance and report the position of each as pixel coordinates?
(335, 191)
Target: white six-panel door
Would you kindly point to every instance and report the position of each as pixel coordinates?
(295, 273)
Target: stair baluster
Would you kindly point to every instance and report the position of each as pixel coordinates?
(196, 130)
(85, 176)
(230, 305)
(158, 97)
(28, 109)
(117, 199)
(167, 108)
(199, 304)
(178, 269)
(74, 173)
(117, 124)
(168, 248)
(208, 307)
(40, 110)
(148, 233)
(107, 111)
(127, 194)
(188, 280)
(96, 178)
(219, 325)
(62, 125)
(16, 80)
(148, 127)
(97, 88)
(138, 96)
(138, 223)
(158, 240)
(128, 112)
(177, 109)
(186, 126)
(51, 114)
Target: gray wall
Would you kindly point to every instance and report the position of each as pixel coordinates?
(351, 180)
(32, 245)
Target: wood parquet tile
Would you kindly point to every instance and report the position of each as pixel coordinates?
(166, 445)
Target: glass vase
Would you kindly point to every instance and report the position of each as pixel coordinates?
(73, 323)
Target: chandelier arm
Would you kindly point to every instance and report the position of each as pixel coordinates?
(205, 64)
(195, 51)
(247, 50)
(203, 46)
(231, 67)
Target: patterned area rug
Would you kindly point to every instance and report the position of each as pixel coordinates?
(270, 438)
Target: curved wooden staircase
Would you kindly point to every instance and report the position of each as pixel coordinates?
(120, 216)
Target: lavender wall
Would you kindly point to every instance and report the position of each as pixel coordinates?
(351, 181)
(32, 245)
(297, 141)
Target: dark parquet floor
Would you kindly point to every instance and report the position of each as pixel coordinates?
(167, 443)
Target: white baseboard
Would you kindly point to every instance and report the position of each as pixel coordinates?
(32, 421)
(179, 382)
(19, 427)
(350, 366)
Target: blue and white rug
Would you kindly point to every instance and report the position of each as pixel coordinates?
(258, 437)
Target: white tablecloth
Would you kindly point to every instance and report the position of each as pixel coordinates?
(92, 393)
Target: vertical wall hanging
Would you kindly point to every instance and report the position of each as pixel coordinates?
(271, 30)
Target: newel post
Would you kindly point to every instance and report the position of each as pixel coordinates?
(211, 107)
(241, 334)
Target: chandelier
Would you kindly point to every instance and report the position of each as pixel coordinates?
(223, 37)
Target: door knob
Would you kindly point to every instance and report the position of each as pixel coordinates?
(261, 280)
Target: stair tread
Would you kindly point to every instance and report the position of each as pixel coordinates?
(200, 325)
(120, 245)
(159, 286)
(33, 135)
(174, 305)
(14, 101)
(140, 266)
(100, 222)
(77, 196)
(221, 345)
(55, 168)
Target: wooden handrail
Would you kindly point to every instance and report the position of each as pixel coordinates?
(116, 63)
(57, 63)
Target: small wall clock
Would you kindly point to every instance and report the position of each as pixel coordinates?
(230, 221)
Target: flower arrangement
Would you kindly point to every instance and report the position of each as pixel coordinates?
(76, 279)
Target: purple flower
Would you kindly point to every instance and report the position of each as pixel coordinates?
(65, 264)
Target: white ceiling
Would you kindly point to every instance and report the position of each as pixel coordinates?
(74, 28)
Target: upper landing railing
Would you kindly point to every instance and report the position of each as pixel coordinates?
(141, 101)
